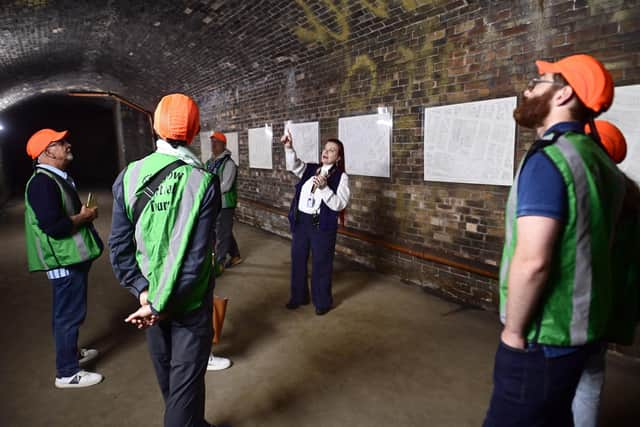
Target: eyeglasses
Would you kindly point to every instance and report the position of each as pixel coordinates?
(62, 142)
(535, 81)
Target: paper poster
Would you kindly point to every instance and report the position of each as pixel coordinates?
(472, 142)
(260, 144)
(367, 143)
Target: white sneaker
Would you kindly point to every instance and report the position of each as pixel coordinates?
(80, 379)
(87, 355)
(218, 363)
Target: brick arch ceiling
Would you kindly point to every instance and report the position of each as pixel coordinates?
(143, 49)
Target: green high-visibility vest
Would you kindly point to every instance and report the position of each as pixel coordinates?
(577, 300)
(164, 228)
(216, 167)
(45, 252)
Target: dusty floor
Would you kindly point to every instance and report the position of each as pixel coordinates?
(388, 354)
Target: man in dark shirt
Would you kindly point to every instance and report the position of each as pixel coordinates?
(61, 240)
(160, 250)
(556, 286)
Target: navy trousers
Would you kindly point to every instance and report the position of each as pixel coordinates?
(533, 390)
(322, 244)
(225, 241)
(179, 349)
(68, 313)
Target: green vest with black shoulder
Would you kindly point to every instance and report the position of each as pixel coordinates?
(164, 228)
(216, 167)
(45, 252)
(577, 300)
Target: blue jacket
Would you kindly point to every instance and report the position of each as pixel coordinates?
(328, 217)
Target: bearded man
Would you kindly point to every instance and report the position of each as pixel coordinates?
(556, 293)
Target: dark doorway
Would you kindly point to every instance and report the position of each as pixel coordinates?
(90, 122)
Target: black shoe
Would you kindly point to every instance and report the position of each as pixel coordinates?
(292, 305)
(322, 311)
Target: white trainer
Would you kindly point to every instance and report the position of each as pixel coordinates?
(217, 363)
(80, 379)
(87, 355)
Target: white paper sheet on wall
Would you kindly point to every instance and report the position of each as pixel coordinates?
(625, 114)
(367, 143)
(260, 142)
(306, 140)
(232, 145)
(471, 142)
(205, 146)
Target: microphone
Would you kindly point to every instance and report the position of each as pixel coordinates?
(324, 173)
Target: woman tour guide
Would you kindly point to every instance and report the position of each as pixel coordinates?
(321, 194)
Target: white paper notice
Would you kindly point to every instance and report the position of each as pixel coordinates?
(306, 140)
(625, 114)
(205, 146)
(260, 143)
(367, 144)
(471, 142)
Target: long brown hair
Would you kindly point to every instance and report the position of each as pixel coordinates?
(342, 215)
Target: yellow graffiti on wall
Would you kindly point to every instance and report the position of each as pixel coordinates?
(364, 84)
(336, 27)
(362, 65)
(31, 3)
(320, 32)
(410, 5)
(377, 7)
(407, 59)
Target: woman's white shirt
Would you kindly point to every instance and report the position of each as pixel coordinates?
(309, 202)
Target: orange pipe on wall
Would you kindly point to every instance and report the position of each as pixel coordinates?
(492, 274)
(112, 95)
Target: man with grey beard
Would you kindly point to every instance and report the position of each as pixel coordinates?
(62, 241)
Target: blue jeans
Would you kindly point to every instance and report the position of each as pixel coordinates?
(68, 313)
(586, 403)
(533, 390)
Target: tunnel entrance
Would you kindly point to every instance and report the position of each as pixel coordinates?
(92, 133)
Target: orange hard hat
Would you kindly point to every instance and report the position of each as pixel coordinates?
(41, 139)
(612, 139)
(219, 136)
(590, 81)
(177, 117)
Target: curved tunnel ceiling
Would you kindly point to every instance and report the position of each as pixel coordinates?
(144, 49)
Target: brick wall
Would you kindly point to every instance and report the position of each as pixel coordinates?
(254, 62)
(135, 135)
(407, 55)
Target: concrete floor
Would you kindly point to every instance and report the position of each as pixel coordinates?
(388, 354)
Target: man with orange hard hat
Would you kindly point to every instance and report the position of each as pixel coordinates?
(556, 271)
(62, 241)
(222, 165)
(586, 402)
(164, 210)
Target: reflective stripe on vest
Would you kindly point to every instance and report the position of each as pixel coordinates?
(68, 203)
(187, 204)
(45, 252)
(229, 198)
(583, 276)
(164, 227)
(588, 227)
(510, 230)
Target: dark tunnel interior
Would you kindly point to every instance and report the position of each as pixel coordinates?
(92, 133)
